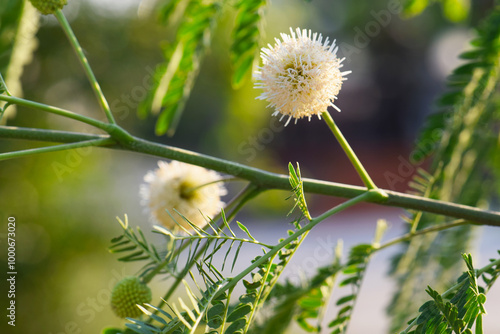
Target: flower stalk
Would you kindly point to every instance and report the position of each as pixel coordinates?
(236, 204)
(363, 174)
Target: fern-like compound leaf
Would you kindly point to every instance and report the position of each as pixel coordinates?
(167, 8)
(312, 304)
(464, 89)
(258, 291)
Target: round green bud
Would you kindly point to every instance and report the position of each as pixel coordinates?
(126, 294)
(48, 6)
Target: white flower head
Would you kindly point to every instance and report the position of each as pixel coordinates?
(300, 75)
(191, 190)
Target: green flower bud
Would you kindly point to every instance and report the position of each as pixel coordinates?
(48, 6)
(126, 294)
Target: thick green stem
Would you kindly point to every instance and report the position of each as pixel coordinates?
(238, 202)
(55, 148)
(83, 60)
(265, 179)
(54, 110)
(348, 151)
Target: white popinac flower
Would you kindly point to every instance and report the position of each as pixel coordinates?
(185, 188)
(300, 76)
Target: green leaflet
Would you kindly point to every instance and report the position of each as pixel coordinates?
(134, 247)
(117, 331)
(305, 304)
(18, 27)
(454, 10)
(245, 38)
(465, 134)
(456, 310)
(414, 7)
(468, 85)
(215, 240)
(185, 317)
(490, 275)
(166, 9)
(10, 17)
(313, 303)
(494, 162)
(174, 79)
(258, 291)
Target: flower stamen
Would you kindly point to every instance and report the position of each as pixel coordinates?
(300, 75)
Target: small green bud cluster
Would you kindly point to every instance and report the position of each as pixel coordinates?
(126, 294)
(48, 6)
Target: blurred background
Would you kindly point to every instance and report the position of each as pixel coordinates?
(65, 203)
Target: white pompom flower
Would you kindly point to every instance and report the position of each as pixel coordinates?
(300, 75)
(193, 191)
